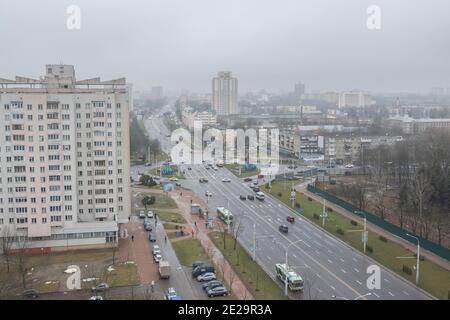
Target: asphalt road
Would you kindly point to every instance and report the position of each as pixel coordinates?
(328, 266)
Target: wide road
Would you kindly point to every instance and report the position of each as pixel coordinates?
(330, 268)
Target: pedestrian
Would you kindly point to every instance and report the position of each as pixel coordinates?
(132, 238)
(195, 224)
(206, 225)
(192, 233)
(165, 238)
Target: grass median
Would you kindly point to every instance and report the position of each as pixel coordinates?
(188, 251)
(251, 274)
(234, 168)
(433, 278)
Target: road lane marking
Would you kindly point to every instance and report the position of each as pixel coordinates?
(359, 282)
(391, 293)
(386, 280)
(342, 260)
(406, 293)
(333, 288)
(343, 271)
(356, 269)
(330, 261)
(376, 295)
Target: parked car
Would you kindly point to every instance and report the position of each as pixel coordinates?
(290, 219)
(142, 215)
(173, 179)
(251, 197)
(100, 287)
(207, 276)
(148, 227)
(242, 197)
(283, 228)
(226, 180)
(151, 237)
(349, 166)
(96, 298)
(31, 293)
(157, 257)
(217, 291)
(156, 249)
(150, 214)
(201, 269)
(171, 294)
(195, 264)
(211, 284)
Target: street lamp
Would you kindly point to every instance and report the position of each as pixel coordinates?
(418, 257)
(324, 212)
(287, 266)
(365, 235)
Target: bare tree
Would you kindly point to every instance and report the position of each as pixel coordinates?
(6, 244)
(22, 258)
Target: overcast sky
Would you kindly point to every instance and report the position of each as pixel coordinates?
(271, 44)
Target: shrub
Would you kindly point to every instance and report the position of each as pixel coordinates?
(407, 270)
(266, 186)
(369, 249)
(316, 216)
(383, 239)
(329, 209)
(280, 194)
(340, 231)
(354, 223)
(309, 199)
(297, 205)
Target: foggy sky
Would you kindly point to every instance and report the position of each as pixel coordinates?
(271, 44)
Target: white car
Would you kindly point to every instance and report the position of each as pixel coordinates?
(150, 214)
(207, 276)
(142, 215)
(173, 179)
(156, 249)
(157, 257)
(349, 166)
(226, 180)
(96, 298)
(208, 194)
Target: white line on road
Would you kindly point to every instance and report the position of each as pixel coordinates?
(343, 271)
(329, 261)
(359, 282)
(333, 288)
(406, 293)
(342, 260)
(356, 269)
(391, 293)
(386, 280)
(376, 295)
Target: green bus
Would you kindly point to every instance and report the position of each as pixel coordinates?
(225, 215)
(295, 282)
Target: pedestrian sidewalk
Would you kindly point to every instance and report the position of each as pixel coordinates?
(200, 232)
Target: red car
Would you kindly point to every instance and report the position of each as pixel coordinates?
(290, 219)
(247, 179)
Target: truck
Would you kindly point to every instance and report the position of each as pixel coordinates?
(164, 269)
(295, 281)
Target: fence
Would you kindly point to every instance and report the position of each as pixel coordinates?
(392, 228)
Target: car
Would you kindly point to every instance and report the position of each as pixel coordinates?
(247, 179)
(142, 215)
(242, 197)
(283, 228)
(217, 291)
(189, 168)
(349, 166)
(260, 176)
(208, 194)
(178, 184)
(207, 276)
(148, 227)
(157, 257)
(150, 214)
(195, 264)
(96, 298)
(100, 287)
(226, 180)
(215, 168)
(211, 285)
(251, 197)
(255, 183)
(207, 168)
(203, 180)
(256, 189)
(31, 293)
(173, 179)
(171, 294)
(290, 219)
(156, 249)
(151, 237)
(148, 164)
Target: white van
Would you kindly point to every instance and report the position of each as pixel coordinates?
(260, 196)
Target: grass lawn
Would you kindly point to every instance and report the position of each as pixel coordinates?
(234, 168)
(171, 217)
(433, 278)
(169, 226)
(162, 201)
(189, 250)
(255, 279)
(123, 274)
(69, 257)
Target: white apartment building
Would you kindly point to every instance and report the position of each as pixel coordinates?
(189, 116)
(64, 159)
(225, 94)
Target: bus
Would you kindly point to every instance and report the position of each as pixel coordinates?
(225, 215)
(295, 282)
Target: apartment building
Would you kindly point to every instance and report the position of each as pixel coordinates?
(225, 93)
(64, 159)
(189, 116)
(410, 125)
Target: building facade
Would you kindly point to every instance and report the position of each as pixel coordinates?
(225, 94)
(189, 116)
(65, 168)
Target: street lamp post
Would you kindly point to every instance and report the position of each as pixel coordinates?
(365, 236)
(418, 257)
(287, 266)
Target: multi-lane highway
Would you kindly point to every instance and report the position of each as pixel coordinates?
(330, 268)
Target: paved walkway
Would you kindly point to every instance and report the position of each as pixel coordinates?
(201, 233)
(430, 256)
(139, 251)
